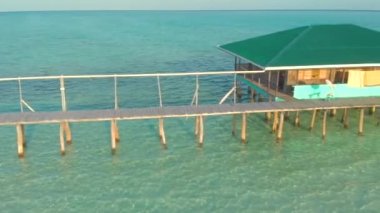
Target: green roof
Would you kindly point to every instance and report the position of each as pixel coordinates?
(311, 46)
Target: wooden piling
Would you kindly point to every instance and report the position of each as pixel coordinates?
(20, 140)
(312, 121)
(268, 116)
(372, 110)
(117, 135)
(62, 137)
(324, 123)
(115, 129)
(67, 130)
(244, 128)
(113, 137)
(287, 116)
(162, 131)
(332, 112)
(297, 119)
(345, 118)
(280, 127)
(24, 138)
(201, 130)
(275, 122)
(66, 126)
(361, 122)
(234, 125)
(196, 131)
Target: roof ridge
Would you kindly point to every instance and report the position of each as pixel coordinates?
(300, 35)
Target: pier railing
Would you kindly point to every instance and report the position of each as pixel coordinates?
(23, 104)
(161, 112)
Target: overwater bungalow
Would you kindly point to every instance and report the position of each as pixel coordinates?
(311, 62)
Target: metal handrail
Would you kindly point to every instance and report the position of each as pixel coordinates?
(131, 75)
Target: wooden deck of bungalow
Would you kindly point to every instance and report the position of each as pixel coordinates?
(278, 109)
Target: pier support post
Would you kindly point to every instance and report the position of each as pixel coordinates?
(196, 131)
(332, 112)
(280, 127)
(65, 125)
(62, 138)
(275, 122)
(201, 129)
(162, 131)
(244, 128)
(115, 129)
(117, 135)
(297, 119)
(66, 128)
(287, 115)
(361, 122)
(268, 116)
(372, 110)
(234, 125)
(113, 136)
(345, 118)
(324, 124)
(312, 121)
(20, 140)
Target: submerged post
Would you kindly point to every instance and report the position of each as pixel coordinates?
(268, 116)
(66, 126)
(196, 131)
(280, 127)
(115, 128)
(113, 136)
(275, 122)
(162, 131)
(201, 129)
(345, 118)
(20, 140)
(361, 122)
(332, 112)
(233, 124)
(244, 128)
(297, 119)
(324, 128)
(62, 138)
(312, 121)
(372, 110)
(66, 129)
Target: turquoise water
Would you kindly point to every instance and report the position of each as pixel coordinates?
(302, 174)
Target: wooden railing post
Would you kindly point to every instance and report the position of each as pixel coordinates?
(115, 93)
(20, 95)
(159, 90)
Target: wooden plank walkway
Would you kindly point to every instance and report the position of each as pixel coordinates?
(182, 111)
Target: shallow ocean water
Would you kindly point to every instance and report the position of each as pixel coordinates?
(301, 174)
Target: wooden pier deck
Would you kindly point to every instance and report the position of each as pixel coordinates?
(161, 112)
(182, 111)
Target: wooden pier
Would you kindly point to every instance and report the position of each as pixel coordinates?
(279, 109)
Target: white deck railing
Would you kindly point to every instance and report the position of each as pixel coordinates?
(62, 78)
